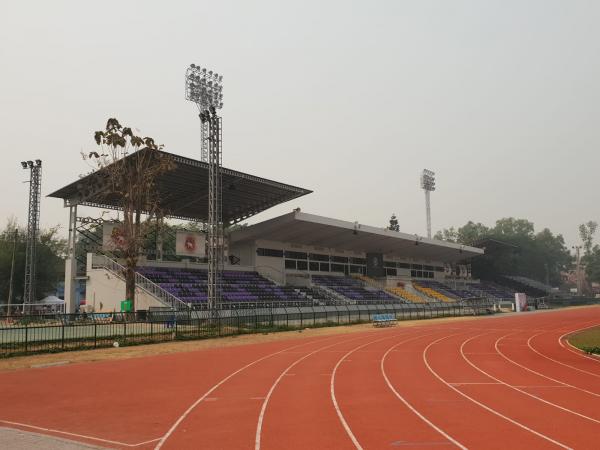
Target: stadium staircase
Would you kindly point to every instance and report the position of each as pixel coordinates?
(157, 292)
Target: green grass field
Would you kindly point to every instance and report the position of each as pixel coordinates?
(588, 340)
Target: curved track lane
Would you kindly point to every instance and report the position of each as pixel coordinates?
(493, 383)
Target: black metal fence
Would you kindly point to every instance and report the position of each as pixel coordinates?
(20, 335)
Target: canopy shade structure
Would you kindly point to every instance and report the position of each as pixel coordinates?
(308, 229)
(184, 192)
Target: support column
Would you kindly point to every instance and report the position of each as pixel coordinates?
(71, 263)
(160, 224)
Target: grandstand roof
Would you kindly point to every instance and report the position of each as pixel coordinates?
(184, 191)
(308, 229)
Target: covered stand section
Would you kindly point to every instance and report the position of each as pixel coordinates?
(184, 195)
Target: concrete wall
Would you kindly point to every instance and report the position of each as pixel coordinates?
(105, 291)
(246, 251)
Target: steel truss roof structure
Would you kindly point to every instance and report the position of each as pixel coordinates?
(184, 192)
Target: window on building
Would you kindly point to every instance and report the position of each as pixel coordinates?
(295, 255)
(355, 269)
(337, 268)
(324, 267)
(402, 265)
(430, 268)
(301, 265)
(361, 261)
(339, 259)
(314, 266)
(439, 269)
(389, 264)
(318, 257)
(290, 264)
(391, 272)
(269, 252)
(417, 266)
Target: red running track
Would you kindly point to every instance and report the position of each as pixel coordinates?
(497, 382)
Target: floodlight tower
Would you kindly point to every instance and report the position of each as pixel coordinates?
(428, 185)
(33, 228)
(205, 89)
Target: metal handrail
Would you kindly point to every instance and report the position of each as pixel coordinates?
(166, 298)
(333, 295)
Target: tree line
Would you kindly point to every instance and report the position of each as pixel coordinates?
(50, 267)
(513, 247)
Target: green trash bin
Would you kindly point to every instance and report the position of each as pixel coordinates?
(126, 306)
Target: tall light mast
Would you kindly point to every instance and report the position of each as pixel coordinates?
(428, 185)
(205, 89)
(33, 229)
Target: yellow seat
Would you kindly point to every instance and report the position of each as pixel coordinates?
(429, 292)
(401, 292)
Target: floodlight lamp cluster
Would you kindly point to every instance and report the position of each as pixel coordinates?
(428, 180)
(204, 87)
(30, 164)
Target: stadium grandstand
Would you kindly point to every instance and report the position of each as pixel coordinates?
(294, 259)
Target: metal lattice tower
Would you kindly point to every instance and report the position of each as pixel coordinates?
(206, 90)
(215, 212)
(428, 185)
(33, 229)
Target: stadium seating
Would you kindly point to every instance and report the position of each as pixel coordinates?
(447, 291)
(488, 289)
(352, 289)
(533, 288)
(190, 286)
(409, 296)
(430, 292)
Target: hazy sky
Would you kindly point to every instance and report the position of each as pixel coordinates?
(350, 99)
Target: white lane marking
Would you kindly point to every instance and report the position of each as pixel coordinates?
(334, 399)
(576, 350)
(562, 408)
(531, 386)
(181, 418)
(263, 409)
(83, 436)
(411, 407)
(555, 360)
(482, 405)
(538, 373)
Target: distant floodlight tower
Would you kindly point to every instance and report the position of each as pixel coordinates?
(428, 185)
(33, 228)
(205, 89)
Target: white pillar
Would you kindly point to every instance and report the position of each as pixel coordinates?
(71, 263)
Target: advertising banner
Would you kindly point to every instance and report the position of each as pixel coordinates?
(113, 238)
(520, 302)
(190, 243)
